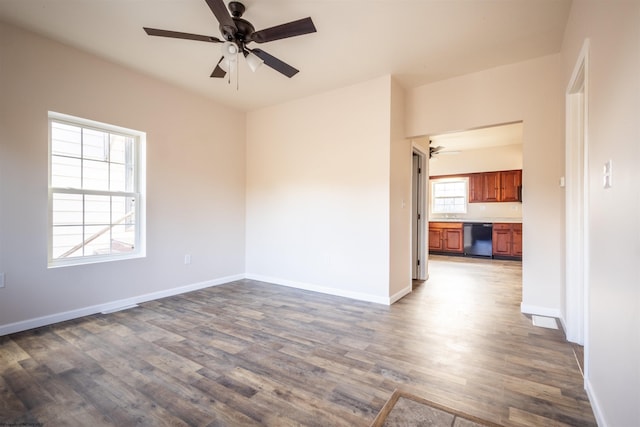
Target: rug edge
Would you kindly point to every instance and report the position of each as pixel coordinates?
(398, 393)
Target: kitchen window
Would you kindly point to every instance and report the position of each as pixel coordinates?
(449, 195)
(96, 191)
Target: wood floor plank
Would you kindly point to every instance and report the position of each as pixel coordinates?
(253, 353)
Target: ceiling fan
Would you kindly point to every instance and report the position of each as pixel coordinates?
(237, 33)
(434, 150)
(439, 150)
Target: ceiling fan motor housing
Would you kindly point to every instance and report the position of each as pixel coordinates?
(243, 28)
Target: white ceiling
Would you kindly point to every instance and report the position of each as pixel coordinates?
(474, 139)
(418, 41)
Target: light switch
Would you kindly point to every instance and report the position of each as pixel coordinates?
(607, 173)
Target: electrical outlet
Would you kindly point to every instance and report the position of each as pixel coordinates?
(187, 259)
(1, 280)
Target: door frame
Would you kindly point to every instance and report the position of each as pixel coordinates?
(577, 203)
(419, 213)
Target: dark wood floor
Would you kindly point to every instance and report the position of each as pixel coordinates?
(251, 353)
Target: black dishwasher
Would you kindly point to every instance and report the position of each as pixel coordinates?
(478, 239)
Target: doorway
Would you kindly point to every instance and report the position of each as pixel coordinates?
(576, 201)
(419, 196)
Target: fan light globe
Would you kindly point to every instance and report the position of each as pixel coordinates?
(227, 65)
(254, 61)
(229, 50)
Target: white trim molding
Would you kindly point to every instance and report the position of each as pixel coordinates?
(577, 199)
(540, 311)
(595, 404)
(324, 289)
(111, 306)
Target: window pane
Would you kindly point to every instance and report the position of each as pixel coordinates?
(97, 210)
(118, 148)
(123, 239)
(119, 209)
(65, 172)
(95, 175)
(67, 209)
(117, 177)
(64, 239)
(97, 240)
(65, 140)
(95, 144)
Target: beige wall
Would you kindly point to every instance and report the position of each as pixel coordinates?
(318, 192)
(195, 181)
(399, 199)
(530, 92)
(612, 341)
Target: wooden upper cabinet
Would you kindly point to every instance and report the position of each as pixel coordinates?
(475, 187)
(511, 182)
(491, 187)
(500, 186)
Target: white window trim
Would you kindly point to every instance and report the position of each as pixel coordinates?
(140, 154)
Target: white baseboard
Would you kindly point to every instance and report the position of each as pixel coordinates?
(595, 404)
(540, 311)
(110, 306)
(321, 289)
(398, 295)
(117, 305)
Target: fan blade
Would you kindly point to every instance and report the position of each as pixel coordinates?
(275, 63)
(222, 15)
(179, 35)
(291, 29)
(218, 72)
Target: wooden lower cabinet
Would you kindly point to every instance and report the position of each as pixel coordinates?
(446, 237)
(507, 240)
(516, 243)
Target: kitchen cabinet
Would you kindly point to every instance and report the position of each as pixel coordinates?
(516, 242)
(507, 240)
(510, 184)
(445, 237)
(491, 187)
(476, 182)
(499, 186)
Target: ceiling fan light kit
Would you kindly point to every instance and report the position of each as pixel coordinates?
(253, 61)
(237, 33)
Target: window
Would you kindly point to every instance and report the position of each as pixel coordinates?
(449, 195)
(96, 186)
